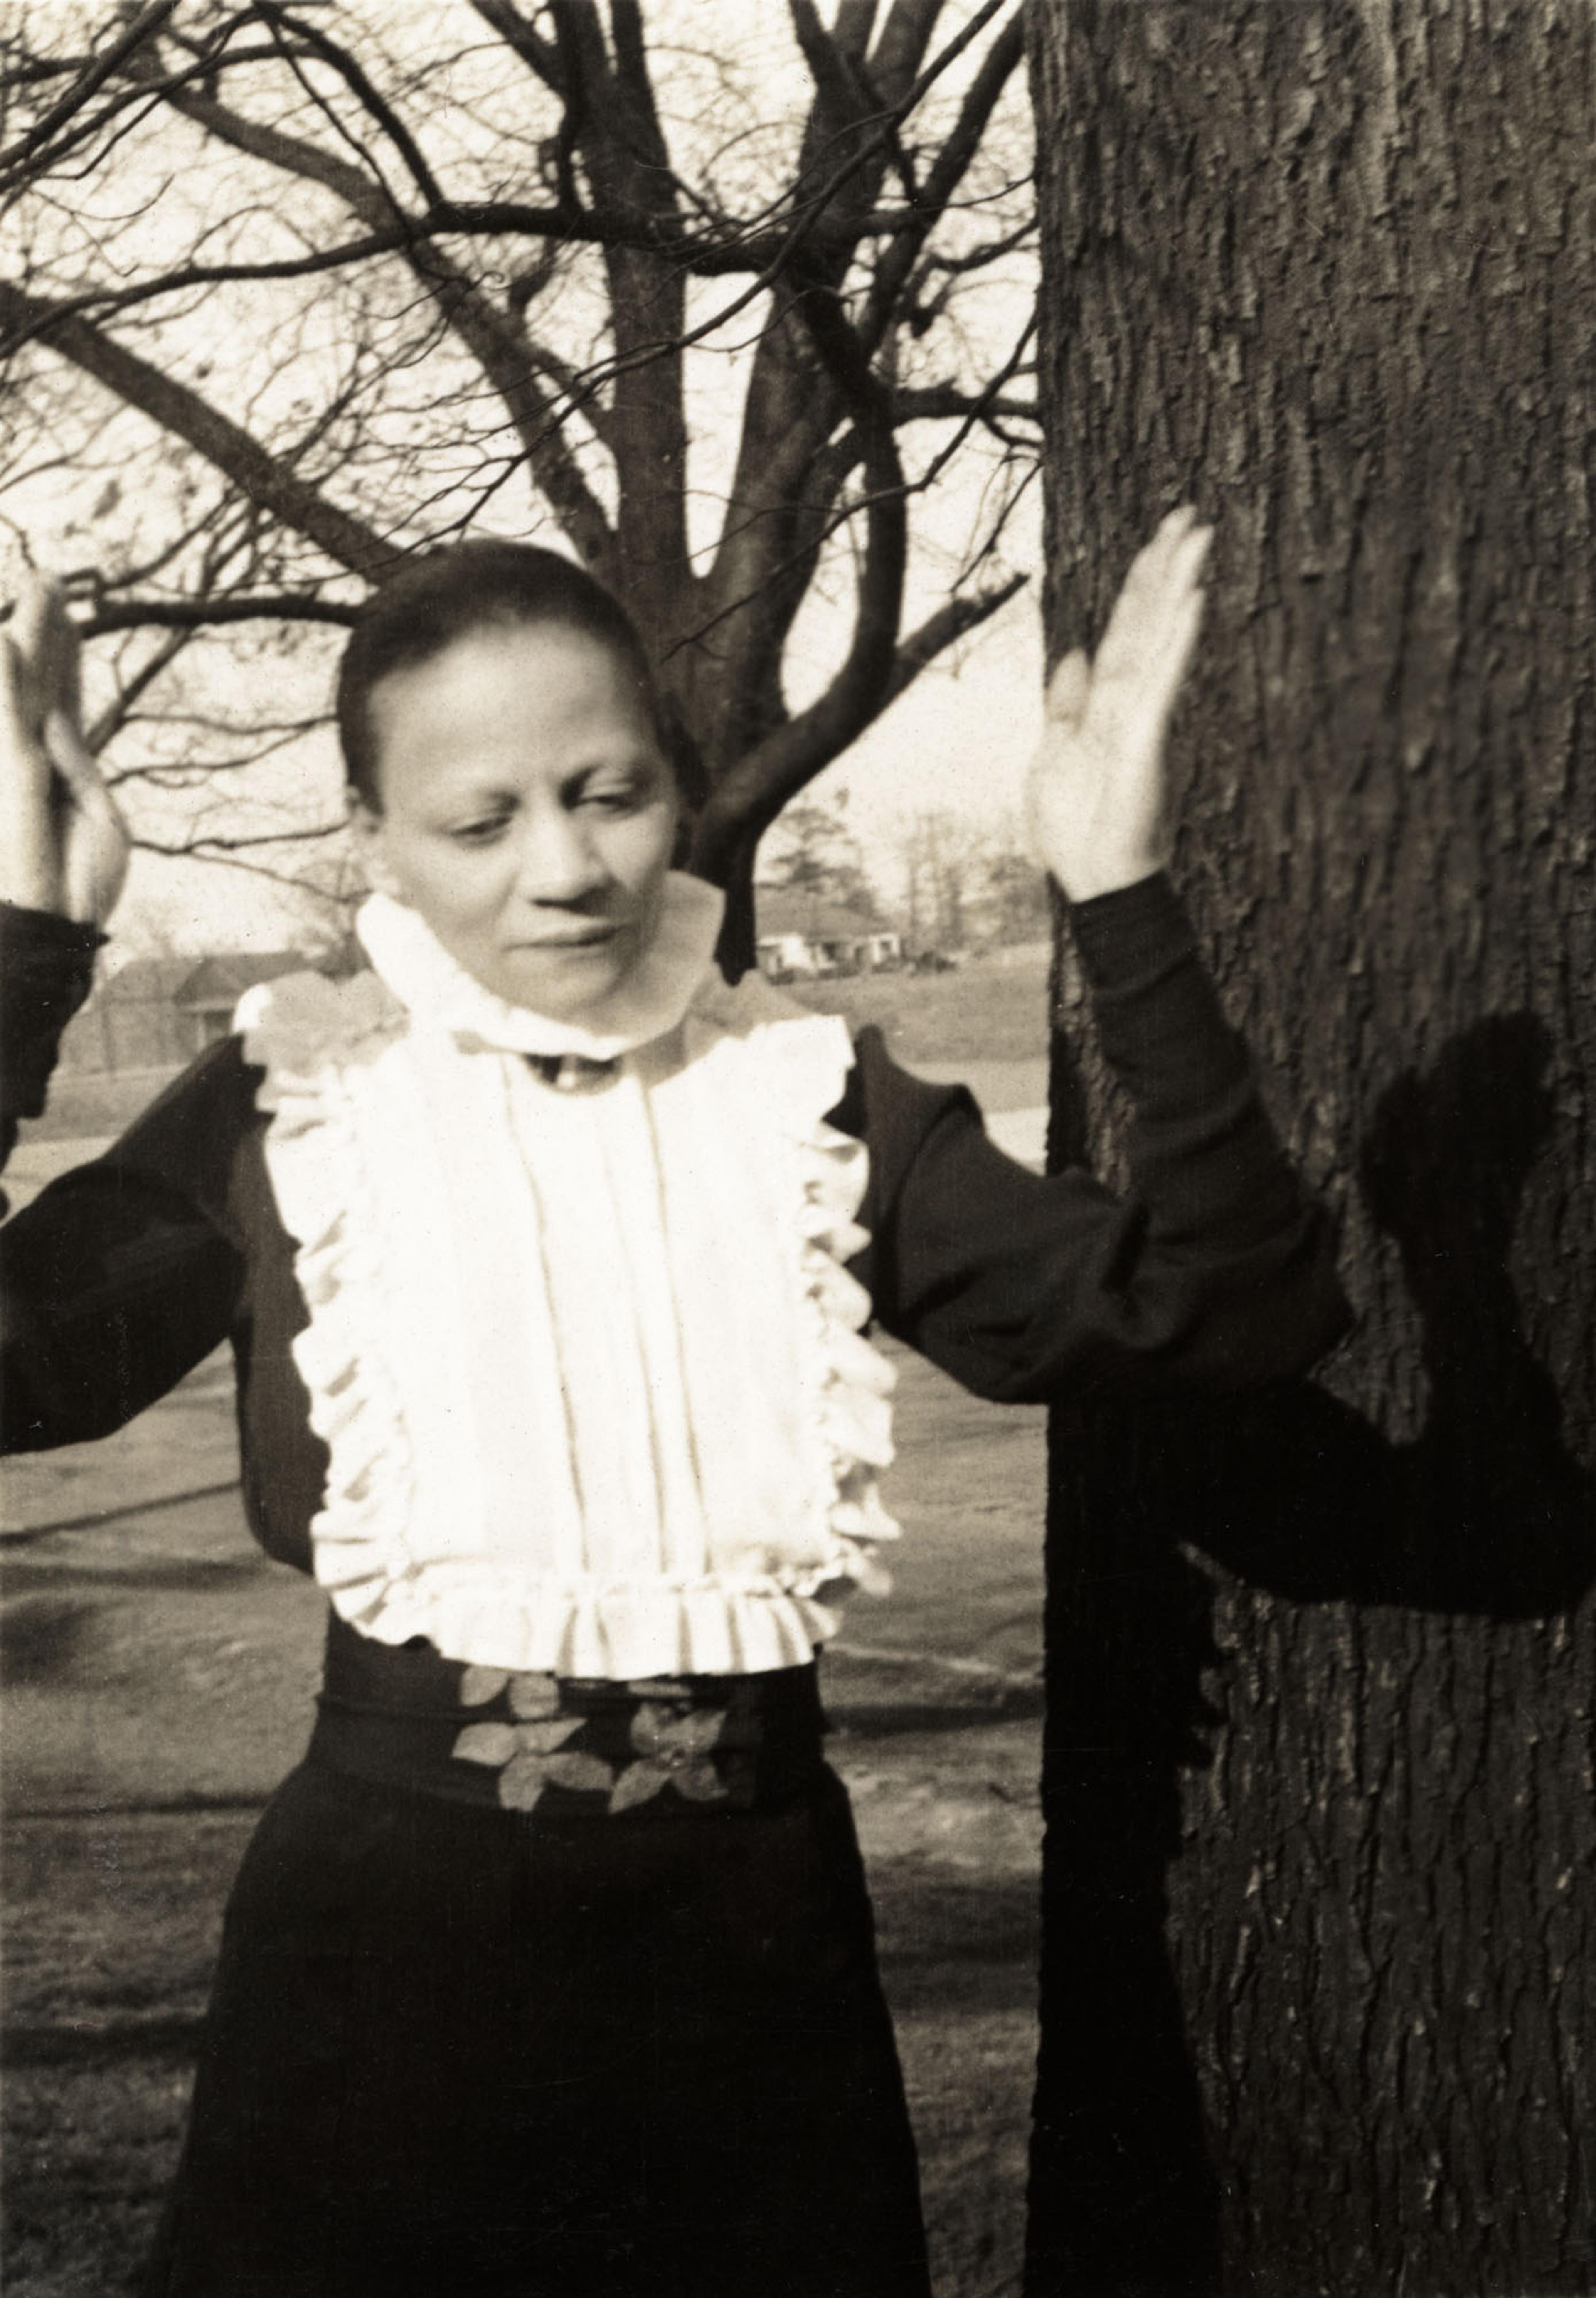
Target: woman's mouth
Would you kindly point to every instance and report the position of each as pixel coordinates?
(588, 936)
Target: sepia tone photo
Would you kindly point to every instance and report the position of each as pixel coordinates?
(797, 931)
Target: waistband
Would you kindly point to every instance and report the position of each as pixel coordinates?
(565, 1746)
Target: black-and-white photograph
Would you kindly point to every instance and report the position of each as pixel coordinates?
(797, 1068)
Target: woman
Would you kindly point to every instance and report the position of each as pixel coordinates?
(547, 1261)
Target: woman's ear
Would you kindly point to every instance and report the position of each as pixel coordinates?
(686, 762)
(366, 830)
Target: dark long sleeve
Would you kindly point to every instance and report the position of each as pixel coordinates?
(46, 966)
(122, 1276)
(1216, 1269)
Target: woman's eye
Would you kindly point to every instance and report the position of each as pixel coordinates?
(615, 798)
(480, 833)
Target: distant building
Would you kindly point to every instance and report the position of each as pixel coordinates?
(796, 933)
(208, 995)
(155, 1014)
(130, 1021)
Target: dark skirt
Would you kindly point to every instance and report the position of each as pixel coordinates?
(457, 2048)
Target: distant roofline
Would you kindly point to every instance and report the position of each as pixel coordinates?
(220, 981)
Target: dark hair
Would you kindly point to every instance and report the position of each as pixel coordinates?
(435, 600)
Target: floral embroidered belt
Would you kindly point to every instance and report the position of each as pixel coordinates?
(567, 1745)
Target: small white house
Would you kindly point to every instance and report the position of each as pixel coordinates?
(797, 934)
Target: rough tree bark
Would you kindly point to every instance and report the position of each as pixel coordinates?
(1318, 1992)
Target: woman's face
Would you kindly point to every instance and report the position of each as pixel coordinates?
(528, 812)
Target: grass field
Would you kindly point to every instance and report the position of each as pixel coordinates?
(86, 1105)
(991, 1009)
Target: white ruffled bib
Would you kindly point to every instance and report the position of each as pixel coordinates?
(589, 1366)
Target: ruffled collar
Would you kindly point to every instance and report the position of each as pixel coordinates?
(653, 998)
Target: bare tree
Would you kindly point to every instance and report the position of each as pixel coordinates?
(308, 286)
(964, 883)
(818, 854)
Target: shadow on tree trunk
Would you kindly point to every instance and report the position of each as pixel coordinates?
(1297, 1494)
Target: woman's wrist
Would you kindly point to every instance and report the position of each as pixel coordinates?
(1094, 880)
(1110, 885)
(1125, 934)
(35, 925)
(30, 865)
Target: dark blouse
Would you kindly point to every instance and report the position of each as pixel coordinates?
(1215, 1271)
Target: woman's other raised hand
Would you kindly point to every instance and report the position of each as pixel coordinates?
(1096, 795)
(63, 846)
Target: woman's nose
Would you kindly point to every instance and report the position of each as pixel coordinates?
(557, 862)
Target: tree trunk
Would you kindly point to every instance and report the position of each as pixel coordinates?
(1318, 1996)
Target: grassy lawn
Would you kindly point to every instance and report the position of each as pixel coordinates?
(991, 1009)
(84, 1105)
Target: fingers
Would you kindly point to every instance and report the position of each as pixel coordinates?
(47, 642)
(29, 847)
(1148, 627)
(94, 835)
(18, 735)
(30, 617)
(1068, 688)
(87, 794)
(1171, 532)
(1152, 569)
(64, 747)
(1184, 626)
(63, 845)
(1183, 607)
(1190, 558)
(24, 760)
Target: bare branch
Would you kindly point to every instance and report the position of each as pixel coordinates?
(631, 67)
(223, 442)
(114, 717)
(128, 106)
(295, 880)
(947, 171)
(211, 843)
(296, 155)
(541, 55)
(365, 94)
(945, 402)
(951, 622)
(148, 21)
(835, 72)
(202, 613)
(751, 792)
(493, 337)
(396, 238)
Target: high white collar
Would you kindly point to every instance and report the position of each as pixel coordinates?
(651, 999)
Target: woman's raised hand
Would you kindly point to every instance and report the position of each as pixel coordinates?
(1096, 797)
(62, 843)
